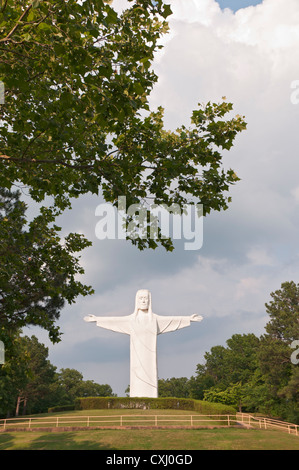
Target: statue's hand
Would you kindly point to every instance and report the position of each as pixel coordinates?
(196, 317)
(90, 318)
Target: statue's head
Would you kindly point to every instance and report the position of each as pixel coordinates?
(143, 301)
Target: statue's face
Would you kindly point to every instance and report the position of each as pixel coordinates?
(142, 300)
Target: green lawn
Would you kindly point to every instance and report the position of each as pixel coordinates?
(150, 439)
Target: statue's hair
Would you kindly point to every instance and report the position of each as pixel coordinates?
(149, 302)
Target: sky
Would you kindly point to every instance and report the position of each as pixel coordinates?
(235, 5)
(250, 56)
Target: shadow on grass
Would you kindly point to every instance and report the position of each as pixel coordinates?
(51, 441)
(6, 441)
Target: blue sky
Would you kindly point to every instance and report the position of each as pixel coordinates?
(237, 4)
(248, 250)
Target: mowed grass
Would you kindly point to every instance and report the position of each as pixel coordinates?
(153, 439)
(148, 439)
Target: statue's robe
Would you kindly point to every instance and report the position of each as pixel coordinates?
(143, 329)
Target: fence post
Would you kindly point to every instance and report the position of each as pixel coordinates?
(228, 423)
(57, 421)
(87, 420)
(29, 423)
(4, 425)
(121, 420)
(156, 420)
(191, 420)
(265, 424)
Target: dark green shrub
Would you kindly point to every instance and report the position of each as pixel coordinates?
(94, 403)
(55, 409)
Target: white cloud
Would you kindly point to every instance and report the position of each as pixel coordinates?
(193, 11)
(260, 256)
(248, 286)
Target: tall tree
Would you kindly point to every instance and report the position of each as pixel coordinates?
(283, 310)
(29, 383)
(35, 395)
(70, 381)
(13, 373)
(243, 351)
(281, 331)
(280, 375)
(226, 369)
(38, 273)
(76, 117)
(201, 382)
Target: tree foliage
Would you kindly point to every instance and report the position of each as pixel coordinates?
(38, 272)
(35, 394)
(73, 386)
(283, 310)
(257, 374)
(174, 387)
(13, 374)
(29, 383)
(76, 118)
(231, 364)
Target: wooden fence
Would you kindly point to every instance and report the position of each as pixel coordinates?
(260, 422)
(111, 421)
(151, 420)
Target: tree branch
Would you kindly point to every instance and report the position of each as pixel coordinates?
(55, 162)
(31, 141)
(17, 25)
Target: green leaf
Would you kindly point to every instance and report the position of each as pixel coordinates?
(30, 16)
(27, 36)
(167, 11)
(138, 88)
(44, 27)
(35, 3)
(112, 16)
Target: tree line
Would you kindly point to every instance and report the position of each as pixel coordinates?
(29, 383)
(253, 374)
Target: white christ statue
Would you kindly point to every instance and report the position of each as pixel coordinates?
(143, 326)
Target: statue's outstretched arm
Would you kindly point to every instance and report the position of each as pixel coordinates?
(117, 324)
(171, 323)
